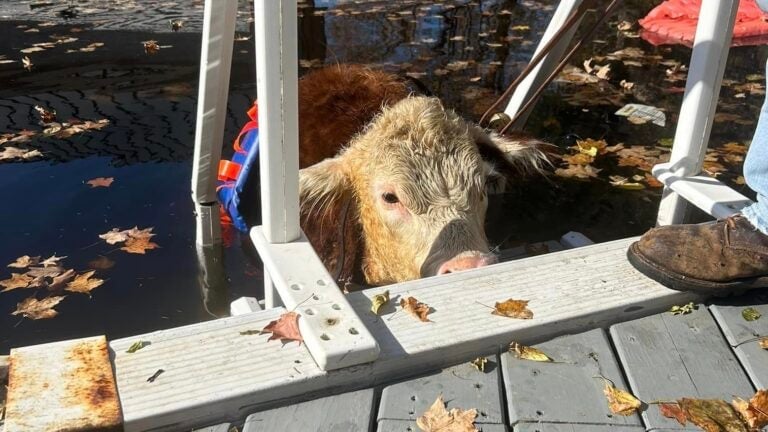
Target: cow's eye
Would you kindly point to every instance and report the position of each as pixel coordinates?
(390, 198)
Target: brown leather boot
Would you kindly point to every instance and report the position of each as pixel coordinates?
(724, 257)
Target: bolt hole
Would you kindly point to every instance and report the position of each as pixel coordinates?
(309, 311)
(335, 307)
(538, 413)
(478, 385)
(321, 282)
(353, 331)
(296, 287)
(410, 412)
(325, 337)
(315, 297)
(413, 398)
(482, 413)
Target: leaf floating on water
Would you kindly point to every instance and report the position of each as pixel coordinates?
(684, 309)
(25, 261)
(136, 346)
(17, 153)
(151, 47)
(285, 328)
(60, 280)
(755, 411)
(479, 363)
(763, 342)
(138, 245)
(114, 236)
(52, 261)
(528, 353)
(513, 309)
(101, 263)
(136, 240)
(38, 309)
(438, 419)
(673, 411)
(750, 314)
(378, 301)
(620, 401)
(101, 182)
(17, 280)
(27, 63)
(712, 415)
(84, 283)
(46, 116)
(416, 308)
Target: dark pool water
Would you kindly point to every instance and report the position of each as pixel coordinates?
(465, 52)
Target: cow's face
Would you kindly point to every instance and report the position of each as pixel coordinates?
(421, 184)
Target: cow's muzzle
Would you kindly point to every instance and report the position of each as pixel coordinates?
(466, 261)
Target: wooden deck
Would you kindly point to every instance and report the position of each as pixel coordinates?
(710, 353)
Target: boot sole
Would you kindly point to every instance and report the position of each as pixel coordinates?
(684, 283)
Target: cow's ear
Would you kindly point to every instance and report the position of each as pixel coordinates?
(330, 218)
(510, 158)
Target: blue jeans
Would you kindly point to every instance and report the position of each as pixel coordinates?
(756, 168)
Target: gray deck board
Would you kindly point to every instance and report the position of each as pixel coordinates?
(344, 412)
(554, 427)
(223, 427)
(410, 426)
(743, 335)
(565, 391)
(667, 357)
(462, 386)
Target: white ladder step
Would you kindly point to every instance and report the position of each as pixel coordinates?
(704, 192)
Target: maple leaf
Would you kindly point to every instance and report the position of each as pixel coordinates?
(712, 415)
(138, 245)
(763, 342)
(513, 309)
(17, 280)
(137, 233)
(151, 47)
(101, 182)
(578, 171)
(416, 308)
(479, 363)
(50, 272)
(755, 411)
(528, 353)
(378, 301)
(620, 401)
(673, 411)
(52, 261)
(27, 63)
(285, 328)
(38, 309)
(17, 153)
(24, 261)
(84, 283)
(61, 280)
(438, 419)
(114, 236)
(38, 282)
(46, 116)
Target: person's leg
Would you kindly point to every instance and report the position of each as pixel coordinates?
(756, 172)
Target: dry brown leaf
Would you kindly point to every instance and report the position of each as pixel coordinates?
(84, 283)
(712, 415)
(17, 280)
(528, 353)
(151, 47)
(24, 261)
(50, 272)
(416, 308)
(59, 281)
(46, 116)
(101, 182)
(114, 236)
(52, 261)
(513, 309)
(479, 363)
(17, 153)
(27, 63)
(38, 309)
(138, 245)
(438, 419)
(673, 411)
(755, 411)
(763, 342)
(620, 401)
(578, 171)
(285, 328)
(137, 233)
(578, 159)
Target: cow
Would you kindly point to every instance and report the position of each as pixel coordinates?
(394, 186)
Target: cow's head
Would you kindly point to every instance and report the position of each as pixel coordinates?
(417, 180)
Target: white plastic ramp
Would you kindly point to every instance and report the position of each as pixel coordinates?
(213, 373)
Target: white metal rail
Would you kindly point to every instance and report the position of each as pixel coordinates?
(680, 175)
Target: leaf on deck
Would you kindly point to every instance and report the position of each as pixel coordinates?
(438, 419)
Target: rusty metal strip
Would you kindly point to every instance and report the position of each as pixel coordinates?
(62, 386)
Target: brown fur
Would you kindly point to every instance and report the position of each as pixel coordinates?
(336, 102)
